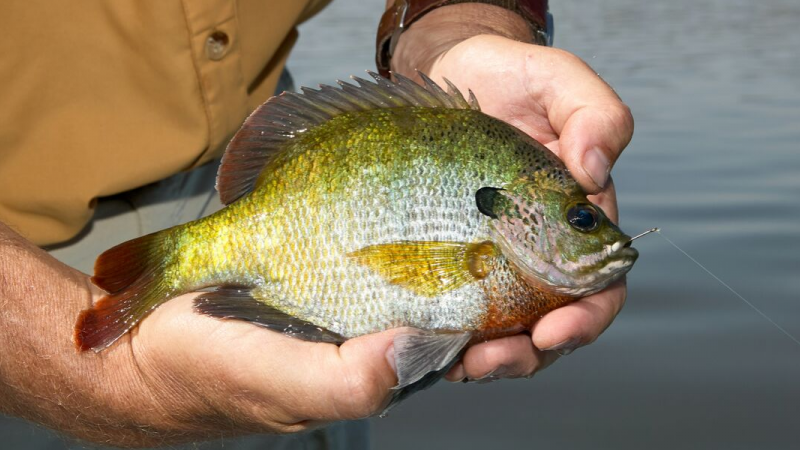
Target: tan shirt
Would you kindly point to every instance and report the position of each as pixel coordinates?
(98, 97)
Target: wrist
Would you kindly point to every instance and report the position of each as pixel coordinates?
(428, 35)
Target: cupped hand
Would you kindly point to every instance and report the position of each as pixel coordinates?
(560, 101)
(248, 379)
(179, 376)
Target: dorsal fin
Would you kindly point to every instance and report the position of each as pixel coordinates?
(266, 132)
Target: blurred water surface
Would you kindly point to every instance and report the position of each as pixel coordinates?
(715, 90)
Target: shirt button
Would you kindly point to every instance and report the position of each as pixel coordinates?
(217, 45)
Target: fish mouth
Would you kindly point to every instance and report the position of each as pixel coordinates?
(611, 264)
(592, 275)
(589, 274)
(619, 259)
(619, 262)
(626, 252)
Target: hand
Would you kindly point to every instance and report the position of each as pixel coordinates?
(560, 101)
(178, 377)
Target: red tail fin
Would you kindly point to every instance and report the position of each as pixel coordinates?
(132, 274)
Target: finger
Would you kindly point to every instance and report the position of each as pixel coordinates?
(508, 357)
(579, 323)
(592, 140)
(456, 373)
(593, 124)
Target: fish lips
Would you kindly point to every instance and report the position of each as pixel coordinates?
(621, 258)
(619, 263)
(627, 253)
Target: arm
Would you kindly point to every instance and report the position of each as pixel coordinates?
(560, 101)
(178, 377)
(41, 376)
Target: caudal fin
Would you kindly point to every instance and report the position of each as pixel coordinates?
(132, 274)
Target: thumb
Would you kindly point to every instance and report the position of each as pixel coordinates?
(591, 140)
(352, 381)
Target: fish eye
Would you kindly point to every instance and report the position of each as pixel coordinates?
(583, 217)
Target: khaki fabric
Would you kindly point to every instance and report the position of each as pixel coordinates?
(100, 97)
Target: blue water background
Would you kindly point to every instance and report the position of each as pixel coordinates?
(715, 162)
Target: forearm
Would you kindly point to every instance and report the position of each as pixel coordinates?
(428, 38)
(42, 377)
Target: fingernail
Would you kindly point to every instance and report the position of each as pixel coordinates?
(498, 372)
(390, 358)
(494, 375)
(564, 348)
(482, 380)
(596, 165)
(457, 373)
(488, 379)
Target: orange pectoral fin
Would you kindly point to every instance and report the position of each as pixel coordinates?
(429, 268)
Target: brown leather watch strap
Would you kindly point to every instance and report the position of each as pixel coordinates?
(404, 12)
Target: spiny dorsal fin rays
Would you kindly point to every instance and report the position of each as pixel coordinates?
(365, 96)
(435, 90)
(473, 101)
(399, 95)
(268, 129)
(453, 92)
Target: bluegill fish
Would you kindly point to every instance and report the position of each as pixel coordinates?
(357, 209)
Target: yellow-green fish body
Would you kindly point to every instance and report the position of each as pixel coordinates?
(355, 210)
(364, 179)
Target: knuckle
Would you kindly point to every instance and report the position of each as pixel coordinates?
(617, 117)
(625, 116)
(538, 59)
(621, 119)
(290, 428)
(565, 55)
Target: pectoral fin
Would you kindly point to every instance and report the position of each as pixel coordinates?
(423, 358)
(429, 268)
(238, 303)
(419, 353)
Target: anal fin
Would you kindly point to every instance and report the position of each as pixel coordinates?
(229, 302)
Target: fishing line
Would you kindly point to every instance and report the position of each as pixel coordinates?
(729, 288)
